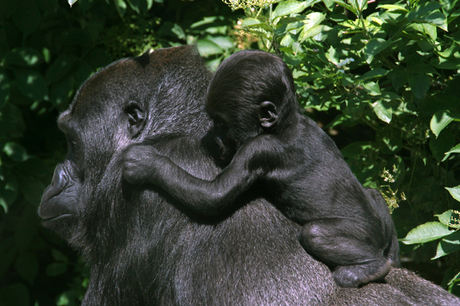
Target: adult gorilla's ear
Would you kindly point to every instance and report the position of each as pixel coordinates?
(137, 117)
(268, 114)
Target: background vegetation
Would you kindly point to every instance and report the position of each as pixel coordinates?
(380, 77)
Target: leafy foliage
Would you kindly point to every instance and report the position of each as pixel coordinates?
(390, 69)
(381, 77)
(47, 49)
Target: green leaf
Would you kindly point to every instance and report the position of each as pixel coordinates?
(449, 218)
(177, 29)
(5, 86)
(374, 47)
(429, 231)
(59, 68)
(121, 7)
(27, 18)
(27, 266)
(448, 245)
(61, 91)
(15, 151)
(439, 121)
(138, 5)
(312, 26)
(437, 19)
(374, 73)
(347, 6)
(11, 123)
(31, 84)
(454, 192)
(393, 7)
(251, 21)
(312, 32)
(82, 73)
(419, 84)
(56, 268)
(383, 110)
(372, 88)
(32, 189)
(390, 137)
(207, 48)
(23, 57)
(289, 7)
(422, 10)
(441, 144)
(455, 149)
(58, 256)
(224, 42)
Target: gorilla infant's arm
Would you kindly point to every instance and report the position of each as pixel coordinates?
(212, 198)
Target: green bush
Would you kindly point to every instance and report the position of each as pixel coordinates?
(386, 72)
(47, 50)
(381, 77)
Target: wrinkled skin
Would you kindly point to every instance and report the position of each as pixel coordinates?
(141, 248)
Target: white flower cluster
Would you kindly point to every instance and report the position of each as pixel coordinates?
(243, 4)
(343, 63)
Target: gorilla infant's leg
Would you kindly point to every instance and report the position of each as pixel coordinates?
(341, 245)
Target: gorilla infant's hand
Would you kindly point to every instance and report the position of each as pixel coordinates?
(140, 163)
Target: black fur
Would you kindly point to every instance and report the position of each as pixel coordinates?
(141, 249)
(286, 158)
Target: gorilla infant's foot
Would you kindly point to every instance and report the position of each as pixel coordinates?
(359, 275)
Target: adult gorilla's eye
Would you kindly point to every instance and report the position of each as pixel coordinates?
(74, 150)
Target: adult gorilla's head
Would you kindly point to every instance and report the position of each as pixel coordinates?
(125, 103)
(142, 250)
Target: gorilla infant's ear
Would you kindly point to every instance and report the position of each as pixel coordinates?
(268, 114)
(136, 118)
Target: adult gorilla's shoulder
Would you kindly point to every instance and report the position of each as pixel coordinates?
(142, 249)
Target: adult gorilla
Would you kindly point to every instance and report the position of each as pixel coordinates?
(141, 248)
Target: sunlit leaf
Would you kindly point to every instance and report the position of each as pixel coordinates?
(383, 111)
(450, 218)
(454, 192)
(436, 18)
(455, 149)
(429, 231)
(439, 121)
(72, 2)
(15, 151)
(207, 48)
(374, 47)
(423, 9)
(289, 7)
(372, 88)
(448, 245)
(23, 57)
(393, 7)
(121, 6)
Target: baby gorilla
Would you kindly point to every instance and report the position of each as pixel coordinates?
(280, 154)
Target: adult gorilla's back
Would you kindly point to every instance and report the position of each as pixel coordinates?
(142, 249)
